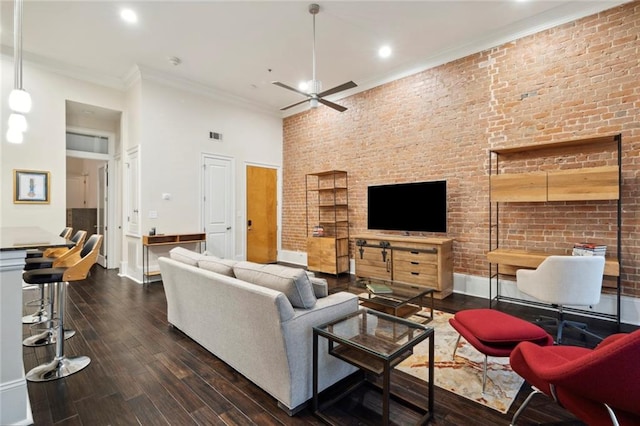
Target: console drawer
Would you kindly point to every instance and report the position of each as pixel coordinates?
(415, 256)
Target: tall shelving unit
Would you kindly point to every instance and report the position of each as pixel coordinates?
(327, 208)
(599, 184)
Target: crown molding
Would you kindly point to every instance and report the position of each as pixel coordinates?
(508, 34)
(136, 74)
(156, 76)
(60, 68)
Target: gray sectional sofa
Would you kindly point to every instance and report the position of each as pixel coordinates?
(262, 328)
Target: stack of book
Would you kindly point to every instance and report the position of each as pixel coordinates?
(589, 249)
(378, 288)
(318, 231)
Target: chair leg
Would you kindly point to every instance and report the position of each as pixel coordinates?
(484, 374)
(524, 405)
(612, 415)
(455, 348)
(48, 335)
(61, 366)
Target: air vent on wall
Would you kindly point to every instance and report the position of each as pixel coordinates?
(215, 136)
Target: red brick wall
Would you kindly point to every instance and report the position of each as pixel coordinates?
(578, 80)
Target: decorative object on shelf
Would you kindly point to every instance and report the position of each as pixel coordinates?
(318, 231)
(589, 249)
(31, 187)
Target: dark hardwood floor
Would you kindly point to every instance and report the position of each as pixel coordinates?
(145, 372)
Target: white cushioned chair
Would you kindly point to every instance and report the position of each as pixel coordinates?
(565, 280)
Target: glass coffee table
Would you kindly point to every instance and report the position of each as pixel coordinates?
(375, 342)
(395, 298)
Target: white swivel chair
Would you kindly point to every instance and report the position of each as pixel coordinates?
(565, 280)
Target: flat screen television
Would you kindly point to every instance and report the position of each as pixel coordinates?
(415, 206)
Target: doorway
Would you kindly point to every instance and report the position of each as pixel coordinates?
(217, 205)
(262, 227)
(93, 195)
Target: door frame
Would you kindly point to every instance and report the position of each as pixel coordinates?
(109, 159)
(278, 170)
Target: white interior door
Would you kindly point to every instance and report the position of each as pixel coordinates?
(218, 206)
(103, 212)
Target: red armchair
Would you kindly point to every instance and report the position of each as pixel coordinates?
(600, 386)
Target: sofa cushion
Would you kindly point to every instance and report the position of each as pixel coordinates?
(293, 282)
(183, 255)
(215, 264)
(320, 286)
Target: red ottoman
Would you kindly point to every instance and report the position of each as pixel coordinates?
(495, 333)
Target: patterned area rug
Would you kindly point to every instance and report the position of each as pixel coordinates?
(463, 375)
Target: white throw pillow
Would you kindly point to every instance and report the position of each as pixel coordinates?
(183, 255)
(293, 282)
(220, 266)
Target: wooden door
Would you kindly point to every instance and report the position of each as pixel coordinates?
(261, 214)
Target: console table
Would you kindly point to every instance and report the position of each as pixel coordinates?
(14, 242)
(425, 262)
(166, 240)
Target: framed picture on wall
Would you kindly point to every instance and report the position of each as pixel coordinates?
(31, 187)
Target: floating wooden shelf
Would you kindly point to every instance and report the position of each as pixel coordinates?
(600, 183)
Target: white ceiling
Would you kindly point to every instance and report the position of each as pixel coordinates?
(235, 49)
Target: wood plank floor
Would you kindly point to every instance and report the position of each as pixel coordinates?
(145, 372)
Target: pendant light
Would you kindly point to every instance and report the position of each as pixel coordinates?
(19, 99)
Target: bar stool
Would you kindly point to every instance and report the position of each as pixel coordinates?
(66, 234)
(49, 255)
(56, 257)
(75, 269)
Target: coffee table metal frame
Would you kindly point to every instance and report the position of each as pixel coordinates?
(376, 353)
(402, 296)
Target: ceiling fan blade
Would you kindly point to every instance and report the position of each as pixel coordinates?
(344, 86)
(292, 105)
(293, 89)
(332, 105)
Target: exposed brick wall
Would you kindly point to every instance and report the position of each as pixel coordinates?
(574, 81)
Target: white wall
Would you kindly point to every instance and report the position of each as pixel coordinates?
(174, 133)
(44, 143)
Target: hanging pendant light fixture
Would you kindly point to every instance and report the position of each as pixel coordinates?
(19, 99)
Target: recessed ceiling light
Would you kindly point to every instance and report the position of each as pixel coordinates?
(384, 52)
(129, 16)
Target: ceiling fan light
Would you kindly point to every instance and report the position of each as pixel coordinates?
(303, 86)
(20, 101)
(18, 122)
(313, 102)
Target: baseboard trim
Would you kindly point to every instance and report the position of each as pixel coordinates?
(476, 286)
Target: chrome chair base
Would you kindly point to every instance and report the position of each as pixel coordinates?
(36, 317)
(58, 368)
(47, 337)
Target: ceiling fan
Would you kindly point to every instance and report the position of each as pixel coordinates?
(314, 96)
